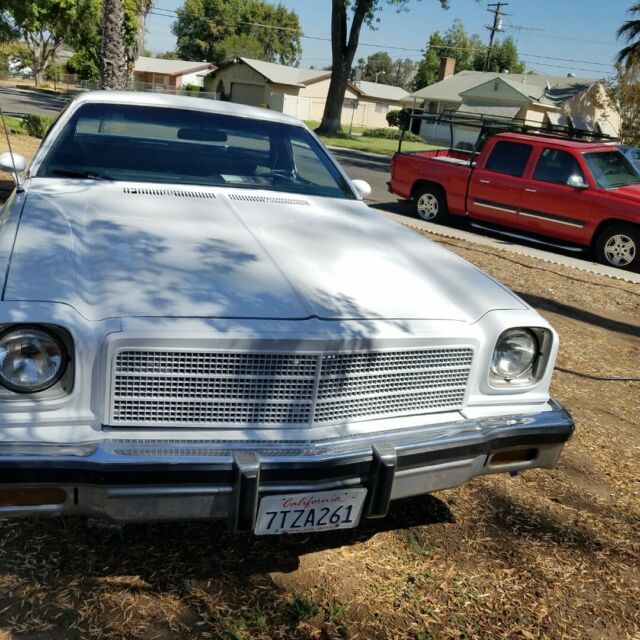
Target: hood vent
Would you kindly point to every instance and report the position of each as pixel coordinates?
(267, 199)
(175, 193)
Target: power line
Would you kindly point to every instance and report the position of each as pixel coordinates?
(496, 28)
(326, 38)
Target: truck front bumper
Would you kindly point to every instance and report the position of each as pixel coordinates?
(140, 480)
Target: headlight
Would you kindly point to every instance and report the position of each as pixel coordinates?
(515, 354)
(31, 359)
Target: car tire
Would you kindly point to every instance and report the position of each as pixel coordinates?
(619, 246)
(430, 204)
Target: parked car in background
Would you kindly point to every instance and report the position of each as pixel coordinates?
(573, 192)
(202, 319)
(633, 155)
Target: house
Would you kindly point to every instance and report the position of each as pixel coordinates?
(545, 100)
(301, 92)
(156, 73)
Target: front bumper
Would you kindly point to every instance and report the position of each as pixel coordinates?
(138, 480)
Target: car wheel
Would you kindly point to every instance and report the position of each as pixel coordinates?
(430, 204)
(619, 246)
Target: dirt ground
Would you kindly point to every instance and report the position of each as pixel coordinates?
(548, 554)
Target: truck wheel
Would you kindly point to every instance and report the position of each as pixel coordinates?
(619, 246)
(430, 204)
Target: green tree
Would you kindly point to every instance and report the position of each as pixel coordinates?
(42, 25)
(87, 37)
(629, 32)
(214, 29)
(622, 94)
(404, 72)
(168, 55)
(344, 43)
(14, 57)
(469, 53)
(379, 68)
(504, 57)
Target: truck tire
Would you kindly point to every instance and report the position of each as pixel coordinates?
(430, 204)
(619, 246)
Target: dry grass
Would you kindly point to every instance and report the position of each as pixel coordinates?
(549, 555)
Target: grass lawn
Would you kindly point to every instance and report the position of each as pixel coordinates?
(375, 145)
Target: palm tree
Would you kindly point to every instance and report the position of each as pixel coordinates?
(629, 31)
(134, 49)
(114, 56)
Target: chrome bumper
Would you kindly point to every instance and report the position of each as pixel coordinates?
(134, 480)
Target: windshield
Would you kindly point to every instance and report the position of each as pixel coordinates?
(181, 146)
(611, 169)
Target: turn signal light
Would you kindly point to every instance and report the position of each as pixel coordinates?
(31, 497)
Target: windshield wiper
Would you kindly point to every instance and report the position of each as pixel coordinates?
(85, 175)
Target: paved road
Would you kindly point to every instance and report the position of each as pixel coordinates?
(375, 170)
(21, 101)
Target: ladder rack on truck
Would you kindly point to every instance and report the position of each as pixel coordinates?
(491, 125)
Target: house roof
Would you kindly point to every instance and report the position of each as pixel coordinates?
(169, 67)
(551, 90)
(300, 77)
(380, 91)
(281, 74)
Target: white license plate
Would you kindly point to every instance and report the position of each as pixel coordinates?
(314, 511)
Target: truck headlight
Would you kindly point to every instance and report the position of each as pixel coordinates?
(515, 354)
(31, 359)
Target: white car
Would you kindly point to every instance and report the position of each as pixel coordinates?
(201, 318)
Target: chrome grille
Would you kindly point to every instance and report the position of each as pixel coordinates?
(181, 388)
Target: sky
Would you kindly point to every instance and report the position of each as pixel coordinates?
(570, 36)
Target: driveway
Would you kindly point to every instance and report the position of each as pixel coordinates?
(375, 170)
(23, 102)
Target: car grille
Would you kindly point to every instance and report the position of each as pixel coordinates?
(211, 388)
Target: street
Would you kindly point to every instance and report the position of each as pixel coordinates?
(22, 102)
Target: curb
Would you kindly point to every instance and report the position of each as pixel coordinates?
(370, 154)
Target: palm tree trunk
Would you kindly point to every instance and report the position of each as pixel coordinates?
(114, 58)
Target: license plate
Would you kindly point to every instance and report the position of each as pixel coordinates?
(314, 511)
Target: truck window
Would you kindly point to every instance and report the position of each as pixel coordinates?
(509, 157)
(556, 166)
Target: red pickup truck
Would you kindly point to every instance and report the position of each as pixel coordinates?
(579, 193)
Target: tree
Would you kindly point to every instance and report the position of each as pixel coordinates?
(168, 55)
(87, 37)
(212, 30)
(456, 43)
(42, 25)
(629, 32)
(344, 42)
(504, 57)
(622, 94)
(113, 70)
(379, 68)
(15, 57)
(404, 72)
(469, 52)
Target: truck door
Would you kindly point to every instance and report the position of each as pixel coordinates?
(496, 188)
(549, 205)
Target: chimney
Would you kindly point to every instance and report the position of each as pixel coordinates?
(447, 68)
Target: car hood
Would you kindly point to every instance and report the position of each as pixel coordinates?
(123, 250)
(630, 192)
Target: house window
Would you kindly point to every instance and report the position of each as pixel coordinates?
(496, 86)
(381, 107)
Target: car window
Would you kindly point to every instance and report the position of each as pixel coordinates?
(556, 166)
(184, 146)
(509, 157)
(611, 169)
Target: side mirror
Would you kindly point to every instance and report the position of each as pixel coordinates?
(362, 187)
(12, 163)
(577, 182)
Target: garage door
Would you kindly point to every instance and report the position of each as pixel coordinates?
(247, 93)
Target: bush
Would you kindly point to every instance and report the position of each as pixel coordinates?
(391, 134)
(393, 118)
(36, 126)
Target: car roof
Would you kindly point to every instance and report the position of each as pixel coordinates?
(185, 102)
(559, 142)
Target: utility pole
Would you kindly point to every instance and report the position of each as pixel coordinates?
(497, 27)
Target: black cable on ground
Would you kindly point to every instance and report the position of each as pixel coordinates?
(593, 376)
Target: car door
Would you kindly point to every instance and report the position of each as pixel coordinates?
(495, 189)
(549, 205)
